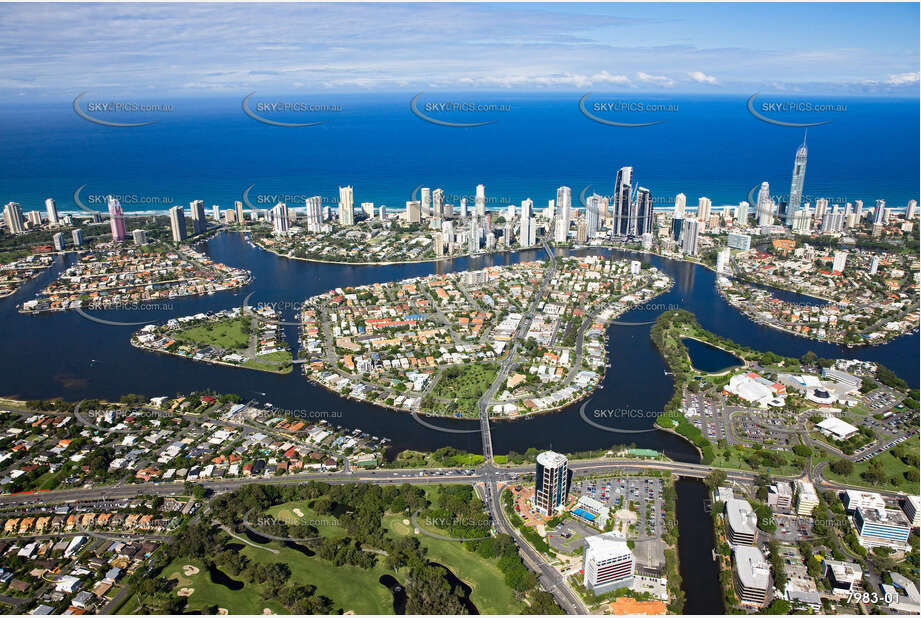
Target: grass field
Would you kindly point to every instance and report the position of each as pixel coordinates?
(350, 588)
(894, 467)
(227, 334)
(326, 525)
(488, 590)
(466, 383)
(279, 362)
(247, 600)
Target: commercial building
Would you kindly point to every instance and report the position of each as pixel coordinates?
(854, 499)
(607, 563)
(741, 522)
(842, 576)
(806, 497)
(780, 496)
(552, 482)
(836, 428)
(593, 511)
(882, 527)
(751, 576)
(911, 506)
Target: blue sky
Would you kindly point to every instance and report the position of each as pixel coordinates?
(56, 51)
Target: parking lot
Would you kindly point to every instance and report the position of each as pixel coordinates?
(705, 414)
(619, 494)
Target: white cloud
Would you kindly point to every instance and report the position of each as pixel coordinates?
(901, 79)
(702, 78)
(659, 80)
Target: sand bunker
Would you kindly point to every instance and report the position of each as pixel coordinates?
(222, 611)
(298, 512)
(185, 592)
(190, 570)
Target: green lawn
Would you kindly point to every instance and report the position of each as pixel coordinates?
(732, 458)
(894, 467)
(247, 600)
(274, 361)
(488, 590)
(232, 334)
(466, 383)
(285, 512)
(350, 588)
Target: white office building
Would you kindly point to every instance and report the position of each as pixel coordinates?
(607, 563)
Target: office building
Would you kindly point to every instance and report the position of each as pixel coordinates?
(741, 522)
(77, 236)
(806, 497)
(12, 215)
(346, 206)
(882, 527)
(279, 215)
(58, 241)
(607, 563)
(780, 496)
(116, 219)
(177, 223)
(854, 499)
(742, 242)
(552, 483)
(796, 184)
(911, 506)
(52, 210)
(751, 576)
(842, 576)
(563, 205)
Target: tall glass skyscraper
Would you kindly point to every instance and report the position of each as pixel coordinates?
(796, 185)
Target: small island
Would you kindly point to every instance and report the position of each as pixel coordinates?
(515, 340)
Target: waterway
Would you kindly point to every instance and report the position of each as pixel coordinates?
(66, 355)
(709, 358)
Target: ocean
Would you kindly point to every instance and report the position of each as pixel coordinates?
(210, 149)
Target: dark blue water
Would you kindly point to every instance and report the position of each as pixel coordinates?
(711, 359)
(65, 355)
(208, 149)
